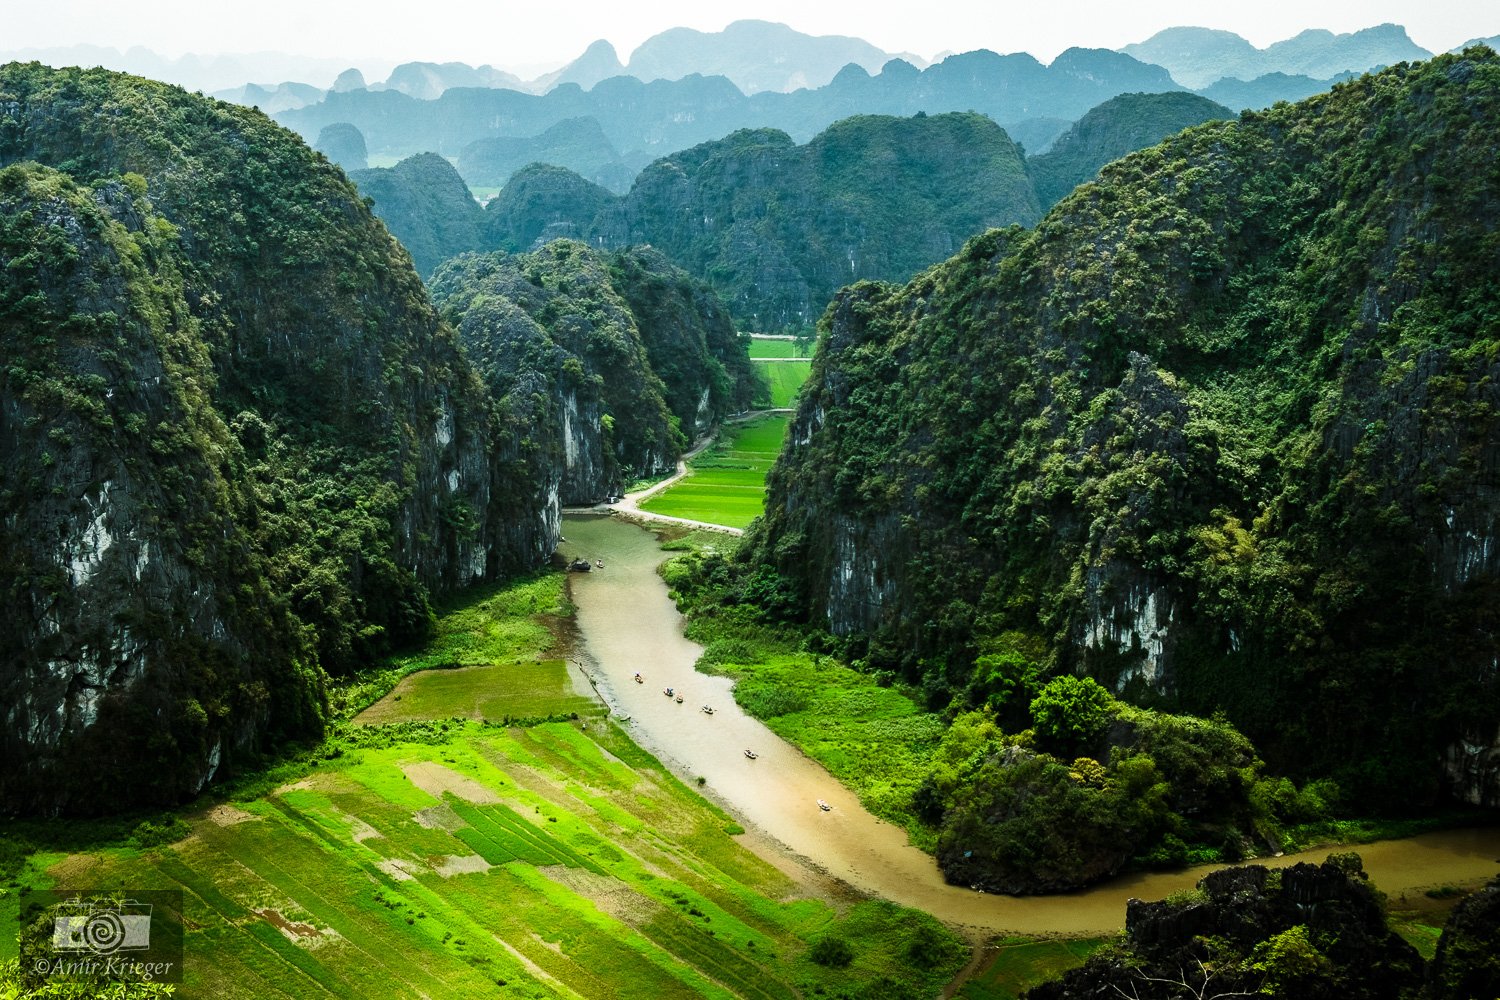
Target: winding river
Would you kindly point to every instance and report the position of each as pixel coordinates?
(630, 625)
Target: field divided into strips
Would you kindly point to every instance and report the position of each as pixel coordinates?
(727, 483)
(458, 858)
(540, 862)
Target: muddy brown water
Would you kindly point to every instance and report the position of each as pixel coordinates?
(630, 625)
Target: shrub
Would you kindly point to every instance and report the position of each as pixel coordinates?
(832, 951)
(1071, 710)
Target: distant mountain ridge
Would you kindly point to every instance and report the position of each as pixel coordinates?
(774, 227)
(1198, 57)
(663, 116)
(755, 55)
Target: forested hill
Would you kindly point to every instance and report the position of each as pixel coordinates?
(1115, 128)
(777, 228)
(1220, 431)
(642, 358)
(774, 227)
(423, 201)
(243, 449)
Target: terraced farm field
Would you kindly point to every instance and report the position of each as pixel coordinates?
(727, 484)
(462, 858)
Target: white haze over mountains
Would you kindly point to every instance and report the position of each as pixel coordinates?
(312, 42)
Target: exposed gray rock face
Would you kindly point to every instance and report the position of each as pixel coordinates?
(551, 325)
(251, 451)
(1105, 443)
(132, 593)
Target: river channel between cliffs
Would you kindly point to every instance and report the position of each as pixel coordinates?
(629, 625)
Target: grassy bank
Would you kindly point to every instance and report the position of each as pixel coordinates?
(1015, 965)
(453, 857)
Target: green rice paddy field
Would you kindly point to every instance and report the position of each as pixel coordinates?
(727, 484)
(465, 858)
(786, 379)
(765, 347)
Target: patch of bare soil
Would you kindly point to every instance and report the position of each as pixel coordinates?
(435, 779)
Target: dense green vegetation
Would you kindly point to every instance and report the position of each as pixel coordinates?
(426, 206)
(1119, 126)
(1049, 785)
(448, 857)
(690, 340)
(255, 454)
(543, 203)
(727, 483)
(1213, 434)
(615, 361)
(776, 228)
(225, 379)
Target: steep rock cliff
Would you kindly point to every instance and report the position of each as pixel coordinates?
(1219, 431)
(552, 322)
(690, 340)
(285, 452)
(126, 566)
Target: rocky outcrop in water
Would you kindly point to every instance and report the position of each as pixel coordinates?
(1308, 931)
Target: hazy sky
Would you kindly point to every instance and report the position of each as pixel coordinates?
(508, 33)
